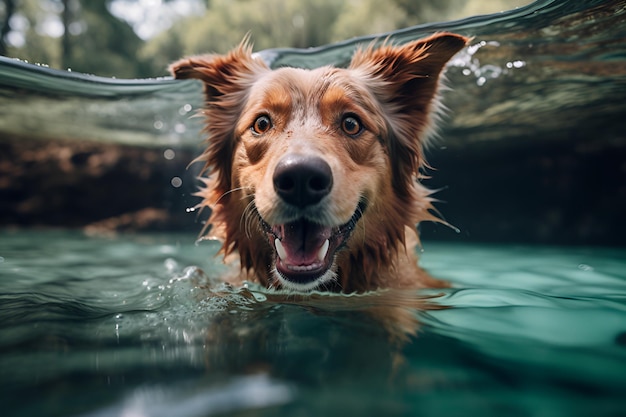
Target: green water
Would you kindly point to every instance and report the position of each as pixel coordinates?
(137, 326)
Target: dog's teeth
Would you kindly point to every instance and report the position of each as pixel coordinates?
(321, 255)
(280, 250)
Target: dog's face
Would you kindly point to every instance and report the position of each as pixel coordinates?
(310, 154)
(315, 168)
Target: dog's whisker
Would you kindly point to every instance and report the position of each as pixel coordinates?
(244, 220)
(361, 224)
(249, 213)
(248, 217)
(230, 192)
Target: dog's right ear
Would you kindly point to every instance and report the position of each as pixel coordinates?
(227, 80)
(221, 74)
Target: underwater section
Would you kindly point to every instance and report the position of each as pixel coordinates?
(531, 149)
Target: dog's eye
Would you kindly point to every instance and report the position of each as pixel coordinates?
(351, 125)
(261, 125)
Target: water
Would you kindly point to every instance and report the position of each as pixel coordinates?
(138, 324)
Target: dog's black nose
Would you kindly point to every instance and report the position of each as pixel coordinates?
(302, 180)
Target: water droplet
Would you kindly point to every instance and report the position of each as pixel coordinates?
(185, 109)
(176, 182)
(158, 125)
(585, 267)
(169, 154)
(170, 265)
(515, 64)
(190, 209)
(180, 128)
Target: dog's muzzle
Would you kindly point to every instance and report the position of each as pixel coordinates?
(305, 247)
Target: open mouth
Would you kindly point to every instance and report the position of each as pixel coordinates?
(305, 250)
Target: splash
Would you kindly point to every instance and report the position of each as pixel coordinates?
(483, 72)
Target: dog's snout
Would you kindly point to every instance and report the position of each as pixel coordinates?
(302, 180)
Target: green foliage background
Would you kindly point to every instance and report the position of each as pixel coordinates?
(97, 42)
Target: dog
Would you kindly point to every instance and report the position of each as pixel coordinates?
(313, 175)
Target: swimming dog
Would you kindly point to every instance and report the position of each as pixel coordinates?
(313, 176)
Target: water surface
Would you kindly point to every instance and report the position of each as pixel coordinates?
(93, 326)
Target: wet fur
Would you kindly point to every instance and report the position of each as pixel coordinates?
(392, 89)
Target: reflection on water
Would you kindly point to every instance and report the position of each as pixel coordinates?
(94, 326)
(241, 393)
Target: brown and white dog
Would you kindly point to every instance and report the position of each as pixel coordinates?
(313, 174)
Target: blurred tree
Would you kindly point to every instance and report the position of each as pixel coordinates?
(284, 23)
(66, 18)
(86, 36)
(81, 35)
(271, 23)
(363, 17)
(101, 43)
(33, 34)
(8, 9)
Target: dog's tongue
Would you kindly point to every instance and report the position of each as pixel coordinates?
(303, 243)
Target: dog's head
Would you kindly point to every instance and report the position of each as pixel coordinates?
(313, 172)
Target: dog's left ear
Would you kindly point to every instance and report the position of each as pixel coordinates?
(408, 75)
(405, 80)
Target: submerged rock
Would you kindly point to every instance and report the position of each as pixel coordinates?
(101, 186)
